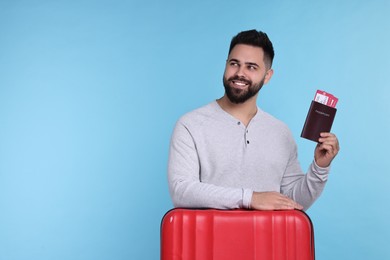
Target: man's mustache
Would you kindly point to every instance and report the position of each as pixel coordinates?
(241, 79)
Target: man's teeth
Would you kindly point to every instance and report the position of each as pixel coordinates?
(239, 83)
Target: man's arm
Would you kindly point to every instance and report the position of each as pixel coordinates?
(305, 189)
(184, 175)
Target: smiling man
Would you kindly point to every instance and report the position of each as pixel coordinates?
(231, 154)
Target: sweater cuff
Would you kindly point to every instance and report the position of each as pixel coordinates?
(246, 198)
(320, 172)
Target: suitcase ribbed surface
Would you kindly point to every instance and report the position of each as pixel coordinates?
(236, 234)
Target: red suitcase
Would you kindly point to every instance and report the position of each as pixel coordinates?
(196, 234)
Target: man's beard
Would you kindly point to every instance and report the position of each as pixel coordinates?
(239, 96)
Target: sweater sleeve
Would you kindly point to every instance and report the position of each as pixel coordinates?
(184, 178)
(303, 188)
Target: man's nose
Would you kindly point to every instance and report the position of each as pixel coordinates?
(240, 71)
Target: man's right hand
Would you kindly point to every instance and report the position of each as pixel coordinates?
(273, 201)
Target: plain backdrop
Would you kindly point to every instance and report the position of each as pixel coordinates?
(90, 92)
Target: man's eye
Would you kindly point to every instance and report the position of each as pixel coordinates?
(234, 64)
(252, 67)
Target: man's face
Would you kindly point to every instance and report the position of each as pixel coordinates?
(245, 73)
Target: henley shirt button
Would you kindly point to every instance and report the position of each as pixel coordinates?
(247, 142)
(238, 123)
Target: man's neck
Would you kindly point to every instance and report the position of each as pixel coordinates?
(243, 111)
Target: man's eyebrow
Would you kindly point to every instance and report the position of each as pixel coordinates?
(247, 63)
(252, 64)
(235, 60)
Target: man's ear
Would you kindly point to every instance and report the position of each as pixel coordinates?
(268, 76)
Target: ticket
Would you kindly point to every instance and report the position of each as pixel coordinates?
(325, 98)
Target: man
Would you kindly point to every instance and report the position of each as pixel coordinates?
(231, 154)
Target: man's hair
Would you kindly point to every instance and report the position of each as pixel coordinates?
(256, 39)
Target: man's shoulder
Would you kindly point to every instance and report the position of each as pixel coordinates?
(272, 123)
(270, 119)
(199, 115)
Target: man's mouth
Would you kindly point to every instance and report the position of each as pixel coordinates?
(240, 84)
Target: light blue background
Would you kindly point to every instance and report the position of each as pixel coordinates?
(90, 92)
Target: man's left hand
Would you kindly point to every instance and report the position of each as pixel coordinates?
(327, 148)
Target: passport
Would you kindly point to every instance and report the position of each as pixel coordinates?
(320, 117)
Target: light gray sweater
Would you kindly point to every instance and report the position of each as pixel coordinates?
(217, 162)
